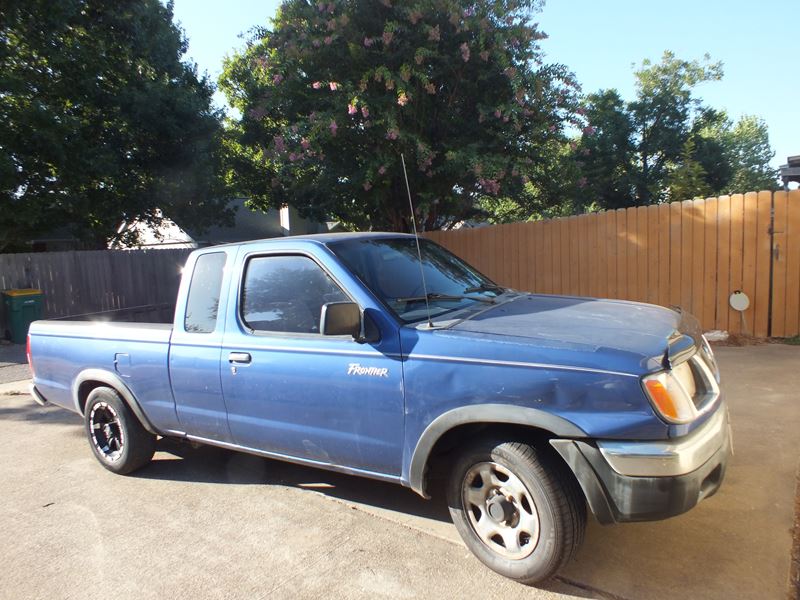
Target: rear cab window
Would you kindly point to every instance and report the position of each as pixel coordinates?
(202, 303)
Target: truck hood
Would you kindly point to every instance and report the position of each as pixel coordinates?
(604, 334)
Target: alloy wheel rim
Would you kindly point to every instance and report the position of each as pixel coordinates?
(106, 429)
(500, 510)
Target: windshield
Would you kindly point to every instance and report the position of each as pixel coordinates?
(390, 268)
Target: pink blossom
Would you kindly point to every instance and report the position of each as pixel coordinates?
(402, 99)
(581, 111)
(381, 170)
(589, 130)
(316, 43)
(414, 17)
(316, 85)
(333, 127)
(582, 182)
(552, 129)
(368, 41)
(469, 12)
(392, 134)
(387, 37)
(328, 40)
(434, 34)
(484, 55)
(464, 51)
(321, 6)
(331, 7)
(304, 143)
(497, 113)
(367, 186)
(351, 109)
(573, 146)
(510, 72)
(334, 86)
(277, 78)
(430, 88)
(292, 157)
(505, 119)
(279, 143)
(365, 111)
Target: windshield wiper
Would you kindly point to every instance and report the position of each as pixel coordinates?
(484, 287)
(437, 296)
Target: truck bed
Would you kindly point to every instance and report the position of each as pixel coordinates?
(137, 353)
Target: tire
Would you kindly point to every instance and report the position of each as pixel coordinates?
(517, 509)
(117, 438)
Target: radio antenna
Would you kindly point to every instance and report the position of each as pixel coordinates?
(416, 239)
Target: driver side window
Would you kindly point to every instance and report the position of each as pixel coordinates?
(286, 294)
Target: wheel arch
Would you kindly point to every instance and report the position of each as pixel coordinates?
(455, 424)
(90, 379)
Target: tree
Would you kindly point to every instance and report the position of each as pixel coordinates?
(662, 115)
(101, 121)
(750, 154)
(687, 179)
(606, 154)
(335, 92)
(666, 145)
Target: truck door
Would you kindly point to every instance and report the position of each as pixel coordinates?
(194, 356)
(294, 392)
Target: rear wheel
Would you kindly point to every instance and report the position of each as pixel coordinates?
(517, 509)
(116, 436)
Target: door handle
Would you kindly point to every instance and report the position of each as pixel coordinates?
(239, 357)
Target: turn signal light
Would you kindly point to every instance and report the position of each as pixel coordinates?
(661, 398)
(669, 397)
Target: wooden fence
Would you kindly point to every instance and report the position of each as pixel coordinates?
(77, 283)
(691, 254)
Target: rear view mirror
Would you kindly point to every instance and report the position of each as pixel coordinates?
(341, 318)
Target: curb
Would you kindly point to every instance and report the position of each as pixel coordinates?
(14, 388)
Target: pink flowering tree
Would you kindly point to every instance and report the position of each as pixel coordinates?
(333, 93)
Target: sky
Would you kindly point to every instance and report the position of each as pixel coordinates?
(602, 41)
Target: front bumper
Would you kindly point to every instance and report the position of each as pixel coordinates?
(648, 481)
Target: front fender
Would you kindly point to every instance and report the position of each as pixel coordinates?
(481, 413)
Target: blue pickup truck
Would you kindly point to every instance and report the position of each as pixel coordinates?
(332, 351)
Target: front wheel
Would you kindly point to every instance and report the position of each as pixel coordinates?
(517, 509)
(116, 436)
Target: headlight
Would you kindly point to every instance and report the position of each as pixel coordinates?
(671, 393)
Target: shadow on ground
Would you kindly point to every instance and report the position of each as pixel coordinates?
(207, 464)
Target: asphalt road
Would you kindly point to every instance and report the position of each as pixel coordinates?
(206, 523)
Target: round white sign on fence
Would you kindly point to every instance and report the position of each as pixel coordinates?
(739, 301)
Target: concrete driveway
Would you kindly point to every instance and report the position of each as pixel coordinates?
(206, 523)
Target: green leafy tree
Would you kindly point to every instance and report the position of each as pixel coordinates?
(750, 154)
(334, 92)
(101, 121)
(606, 154)
(666, 145)
(687, 178)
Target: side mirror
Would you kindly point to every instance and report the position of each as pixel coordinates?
(341, 318)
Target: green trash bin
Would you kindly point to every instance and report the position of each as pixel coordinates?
(22, 307)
